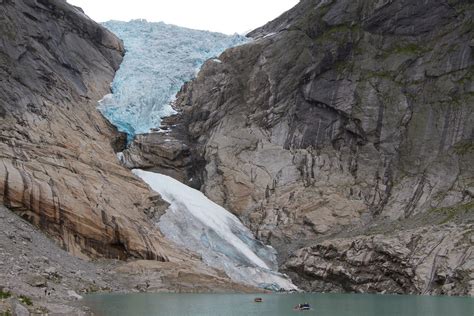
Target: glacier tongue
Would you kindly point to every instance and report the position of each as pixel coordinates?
(159, 58)
(196, 223)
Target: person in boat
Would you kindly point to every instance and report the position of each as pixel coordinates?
(303, 307)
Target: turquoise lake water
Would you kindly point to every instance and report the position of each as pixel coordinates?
(279, 304)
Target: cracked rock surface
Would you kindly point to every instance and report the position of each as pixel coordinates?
(341, 116)
(57, 166)
(58, 169)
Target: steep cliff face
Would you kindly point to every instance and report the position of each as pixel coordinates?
(340, 117)
(57, 166)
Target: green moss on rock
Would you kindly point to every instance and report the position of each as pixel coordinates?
(464, 148)
(4, 294)
(451, 213)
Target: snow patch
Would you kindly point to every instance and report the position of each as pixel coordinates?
(120, 156)
(195, 222)
(269, 35)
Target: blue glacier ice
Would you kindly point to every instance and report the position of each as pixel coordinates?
(159, 58)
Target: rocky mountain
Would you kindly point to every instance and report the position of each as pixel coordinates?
(59, 171)
(343, 136)
(58, 168)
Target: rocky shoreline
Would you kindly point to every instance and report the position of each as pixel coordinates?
(35, 268)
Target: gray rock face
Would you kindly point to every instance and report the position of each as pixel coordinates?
(422, 260)
(20, 310)
(58, 170)
(166, 152)
(57, 166)
(339, 116)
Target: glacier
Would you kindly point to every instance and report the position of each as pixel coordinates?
(159, 58)
(194, 222)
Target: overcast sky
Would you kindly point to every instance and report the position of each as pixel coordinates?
(237, 16)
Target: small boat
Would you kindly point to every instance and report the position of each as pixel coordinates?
(302, 307)
(258, 300)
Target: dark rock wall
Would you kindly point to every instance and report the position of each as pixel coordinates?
(339, 117)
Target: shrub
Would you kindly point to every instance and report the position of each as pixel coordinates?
(4, 294)
(25, 300)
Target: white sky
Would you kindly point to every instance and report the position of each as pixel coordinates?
(237, 16)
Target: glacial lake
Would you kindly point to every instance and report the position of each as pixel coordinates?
(278, 304)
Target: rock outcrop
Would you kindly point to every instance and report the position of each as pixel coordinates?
(57, 166)
(408, 258)
(340, 116)
(166, 151)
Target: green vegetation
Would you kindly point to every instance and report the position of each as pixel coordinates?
(451, 213)
(41, 311)
(308, 21)
(405, 49)
(410, 49)
(338, 34)
(463, 148)
(4, 59)
(436, 216)
(25, 300)
(389, 75)
(342, 28)
(461, 6)
(6, 313)
(467, 78)
(7, 28)
(342, 66)
(468, 27)
(4, 294)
